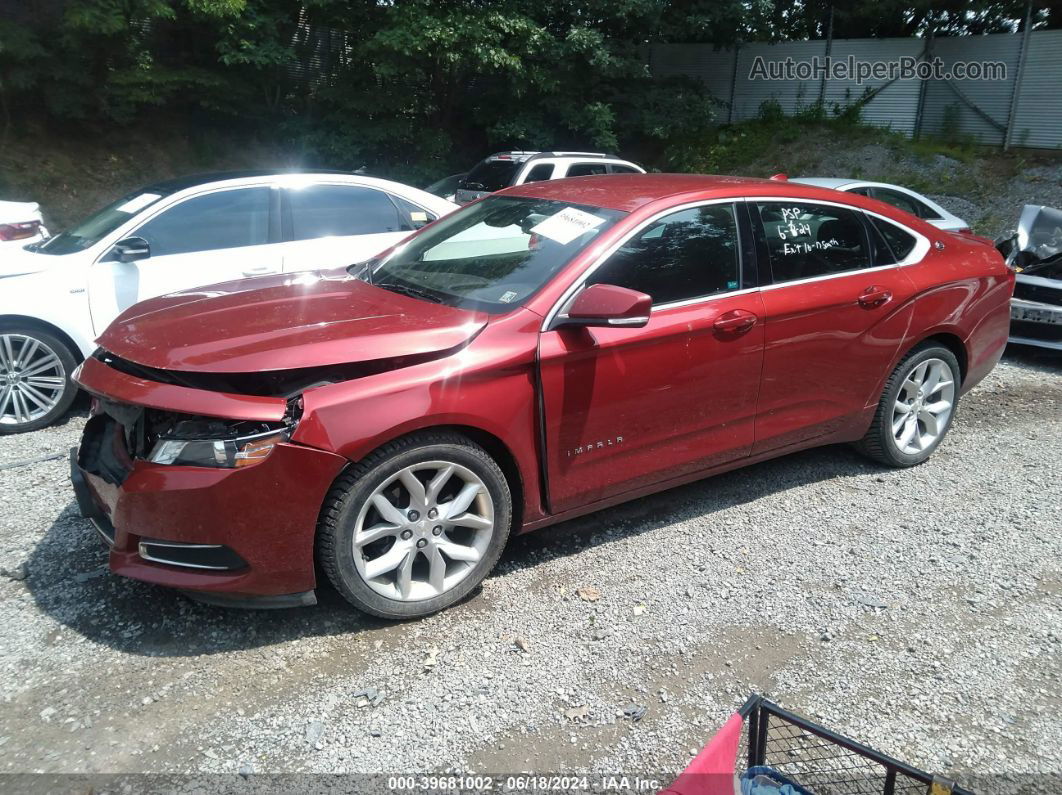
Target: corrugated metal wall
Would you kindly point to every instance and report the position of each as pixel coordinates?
(792, 96)
(896, 103)
(946, 108)
(1038, 117)
(945, 113)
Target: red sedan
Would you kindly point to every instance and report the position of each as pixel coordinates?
(551, 350)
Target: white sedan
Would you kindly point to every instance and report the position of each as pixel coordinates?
(20, 224)
(905, 199)
(56, 297)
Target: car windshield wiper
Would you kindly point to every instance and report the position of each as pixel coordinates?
(412, 292)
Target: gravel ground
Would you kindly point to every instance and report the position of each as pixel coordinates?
(918, 611)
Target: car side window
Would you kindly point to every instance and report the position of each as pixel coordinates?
(341, 210)
(224, 219)
(900, 242)
(412, 215)
(539, 173)
(586, 169)
(906, 203)
(688, 254)
(860, 191)
(805, 240)
(617, 169)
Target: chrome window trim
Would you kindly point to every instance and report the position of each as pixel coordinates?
(705, 298)
(826, 276)
(921, 248)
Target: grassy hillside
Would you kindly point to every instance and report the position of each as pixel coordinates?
(73, 173)
(985, 186)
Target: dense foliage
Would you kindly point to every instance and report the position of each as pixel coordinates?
(414, 86)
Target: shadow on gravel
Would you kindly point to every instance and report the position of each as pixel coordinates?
(69, 580)
(699, 499)
(1030, 358)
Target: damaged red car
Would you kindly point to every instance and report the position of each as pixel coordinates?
(550, 350)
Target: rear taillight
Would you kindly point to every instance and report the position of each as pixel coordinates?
(966, 231)
(19, 231)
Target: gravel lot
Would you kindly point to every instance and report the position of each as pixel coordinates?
(919, 611)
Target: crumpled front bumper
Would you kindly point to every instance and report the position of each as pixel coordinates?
(265, 514)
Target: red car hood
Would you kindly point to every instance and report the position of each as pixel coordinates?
(284, 322)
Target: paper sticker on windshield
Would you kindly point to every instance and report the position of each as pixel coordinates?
(418, 217)
(507, 297)
(568, 224)
(139, 203)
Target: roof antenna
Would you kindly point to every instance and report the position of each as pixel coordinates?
(781, 176)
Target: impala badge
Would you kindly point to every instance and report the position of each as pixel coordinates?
(591, 447)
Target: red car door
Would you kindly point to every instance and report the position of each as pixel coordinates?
(627, 407)
(836, 314)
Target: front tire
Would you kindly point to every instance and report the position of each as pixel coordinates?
(35, 384)
(415, 526)
(916, 409)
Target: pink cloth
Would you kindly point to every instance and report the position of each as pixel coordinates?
(712, 771)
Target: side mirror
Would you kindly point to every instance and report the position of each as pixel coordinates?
(131, 249)
(608, 305)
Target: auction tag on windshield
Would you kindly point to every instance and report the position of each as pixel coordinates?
(566, 225)
(139, 203)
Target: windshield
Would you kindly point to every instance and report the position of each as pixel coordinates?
(493, 255)
(97, 226)
(445, 186)
(491, 175)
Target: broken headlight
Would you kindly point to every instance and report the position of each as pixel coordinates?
(215, 444)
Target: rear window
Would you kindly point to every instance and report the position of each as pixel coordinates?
(900, 242)
(491, 175)
(341, 211)
(807, 240)
(542, 171)
(586, 169)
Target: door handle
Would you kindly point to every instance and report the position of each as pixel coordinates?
(261, 270)
(735, 322)
(874, 297)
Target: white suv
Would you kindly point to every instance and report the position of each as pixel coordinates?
(504, 169)
(56, 297)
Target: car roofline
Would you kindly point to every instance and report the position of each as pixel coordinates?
(178, 184)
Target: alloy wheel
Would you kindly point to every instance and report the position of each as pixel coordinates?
(32, 379)
(923, 406)
(423, 530)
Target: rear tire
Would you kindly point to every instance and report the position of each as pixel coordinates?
(916, 409)
(414, 527)
(35, 379)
